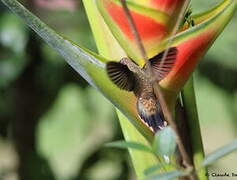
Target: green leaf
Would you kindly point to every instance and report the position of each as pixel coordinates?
(13, 33)
(219, 153)
(196, 41)
(60, 132)
(132, 145)
(140, 160)
(76, 56)
(109, 48)
(205, 15)
(167, 176)
(191, 113)
(88, 64)
(155, 168)
(165, 142)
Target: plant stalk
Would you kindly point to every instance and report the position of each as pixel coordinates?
(191, 115)
(186, 161)
(110, 49)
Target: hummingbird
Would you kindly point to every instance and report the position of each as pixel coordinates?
(129, 76)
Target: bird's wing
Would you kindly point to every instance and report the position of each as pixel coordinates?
(121, 75)
(162, 67)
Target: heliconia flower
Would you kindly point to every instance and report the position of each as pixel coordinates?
(154, 30)
(155, 20)
(193, 43)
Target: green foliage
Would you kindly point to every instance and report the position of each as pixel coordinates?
(164, 145)
(66, 124)
(165, 142)
(167, 176)
(188, 18)
(155, 168)
(220, 153)
(13, 33)
(66, 133)
(132, 145)
(13, 38)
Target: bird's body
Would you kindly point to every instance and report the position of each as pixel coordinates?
(148, 106)
(129, 76)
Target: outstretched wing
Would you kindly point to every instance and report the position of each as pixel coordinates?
(162, 67)
(121, 75)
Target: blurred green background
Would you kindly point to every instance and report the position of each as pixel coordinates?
(53, 125)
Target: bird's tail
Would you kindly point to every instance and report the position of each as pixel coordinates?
(154, 120)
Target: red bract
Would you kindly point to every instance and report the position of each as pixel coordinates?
(155, 19)
(147, 27)
(189, 54)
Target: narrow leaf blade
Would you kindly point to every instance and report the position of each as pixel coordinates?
(203, 16)
(219, 153)
(155, 168)
(167, 176)
(193, 43)
(88, 64)
(132, 145)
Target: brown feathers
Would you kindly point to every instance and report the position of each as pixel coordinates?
(121, 75)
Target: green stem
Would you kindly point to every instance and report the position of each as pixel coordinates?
(141, 160)
(190, 107)
(110, 49)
